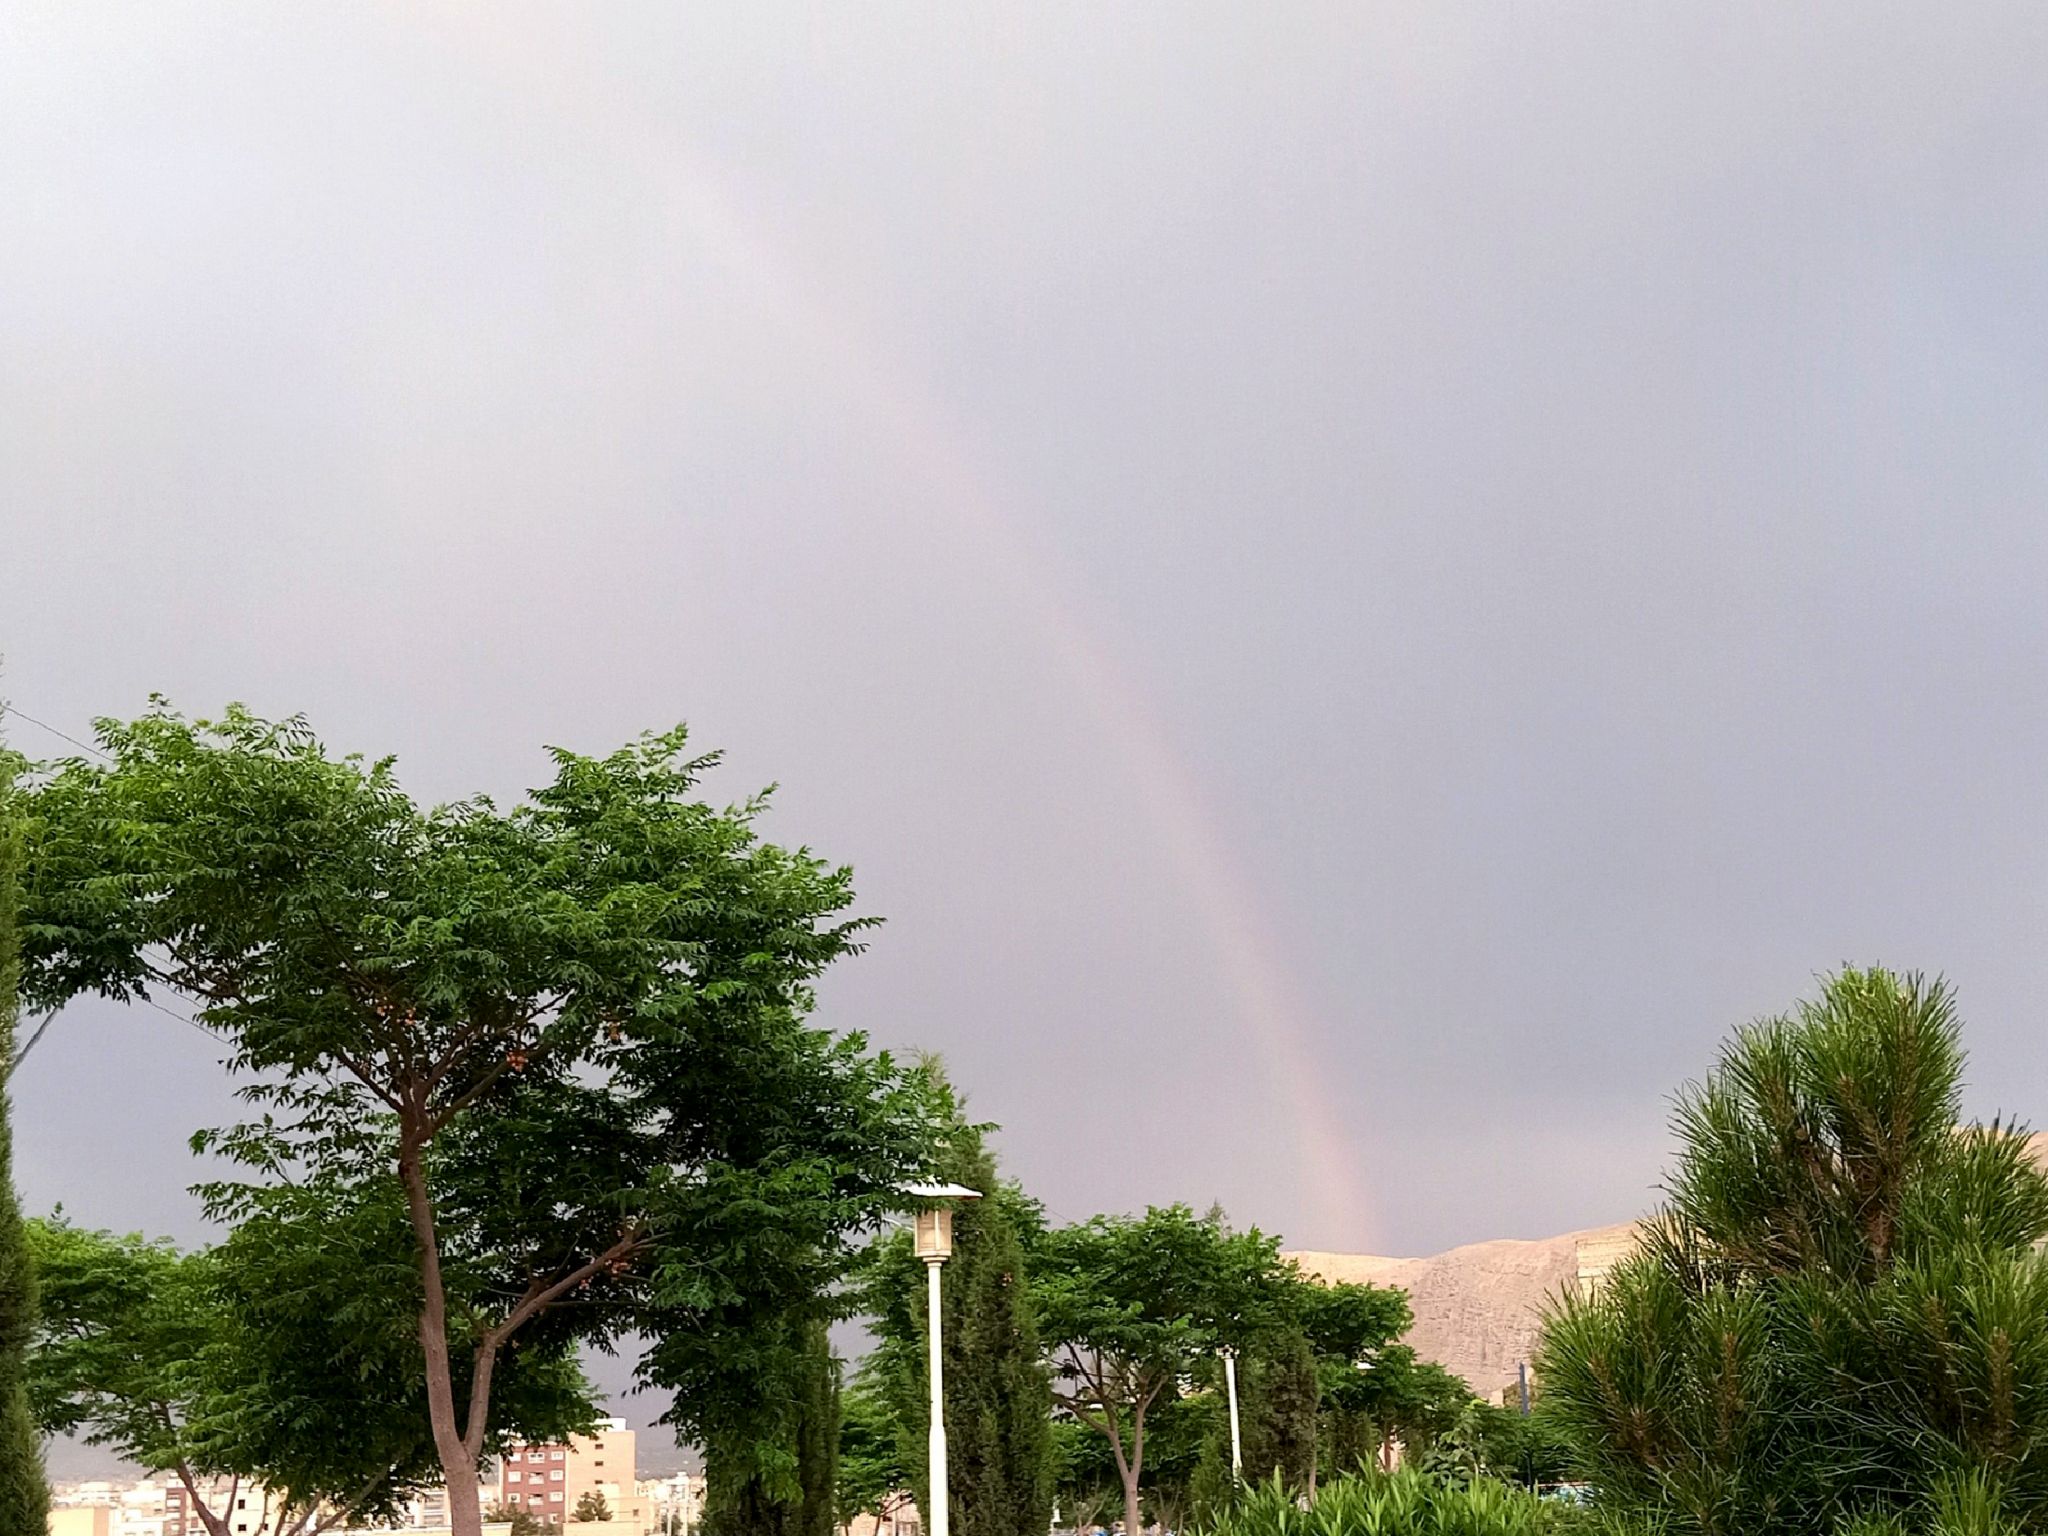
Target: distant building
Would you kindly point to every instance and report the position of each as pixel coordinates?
(82, 1520)
(674, 1503)
(551, 1480)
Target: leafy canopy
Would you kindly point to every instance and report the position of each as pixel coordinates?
(266, 1359)
(568, 1039)
(1130, 1306)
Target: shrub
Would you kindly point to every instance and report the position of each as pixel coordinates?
(1403, 1503)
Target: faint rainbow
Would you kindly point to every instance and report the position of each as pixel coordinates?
(1248, 956)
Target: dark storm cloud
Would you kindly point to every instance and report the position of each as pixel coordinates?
(1357, 582)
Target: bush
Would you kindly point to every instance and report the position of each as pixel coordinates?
(1403, 1503)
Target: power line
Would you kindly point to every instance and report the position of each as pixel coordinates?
(9, 709)
(172, 1013)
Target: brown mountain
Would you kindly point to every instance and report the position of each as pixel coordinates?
(1476, 1307)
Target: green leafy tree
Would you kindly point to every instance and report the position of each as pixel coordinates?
(998, 1396)
(1839, 1320)
(1329, 1388)
(1177, 1438)
(1491, 1440)
(1360, 1368)
(1128, 1308)
(266, 1360)
(24, 1496)
(569, 1038)
(876, 1468)
(1087, 1487)
(591, 1506)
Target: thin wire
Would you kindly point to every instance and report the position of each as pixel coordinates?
(9, 709)
(150, 1002)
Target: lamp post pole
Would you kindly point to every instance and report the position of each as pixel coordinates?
(1236, 1440)
(932, 1238)
(940, 1490)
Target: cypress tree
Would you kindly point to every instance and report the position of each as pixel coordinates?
(998, 1400)
(1278, 1397)
(783, 1479)
(24, 1496)
(816, 1512)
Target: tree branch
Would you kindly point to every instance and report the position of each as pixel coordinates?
(536, 1300)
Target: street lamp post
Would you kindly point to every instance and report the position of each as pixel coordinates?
(1236, 1440)
(932, 1235)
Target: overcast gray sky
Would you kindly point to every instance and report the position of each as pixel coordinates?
(1358, 582)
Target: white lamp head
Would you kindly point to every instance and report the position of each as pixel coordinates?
(932, 1227)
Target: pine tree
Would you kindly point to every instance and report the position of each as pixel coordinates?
(1840, 1320)
(24, 1495)
(998, 1401)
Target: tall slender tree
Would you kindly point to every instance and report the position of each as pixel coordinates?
(24, 1495)
(776, 1473)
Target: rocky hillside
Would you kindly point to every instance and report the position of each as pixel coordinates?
(1476, 1307)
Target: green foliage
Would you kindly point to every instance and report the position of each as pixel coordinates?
(1278, 1405)
(1086, 1485)
(1130, 1306)
(785, 1483)
(1489, 1440)
(266, 1358)
(1840, 1319)
(876, 1463)
(568, 1039)
(1403, 1503)
(591, 1506)
(1374, 1392)
(24, 1496)
(998, 1399)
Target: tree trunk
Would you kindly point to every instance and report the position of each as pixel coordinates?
(458, 1466)
(1133, 1511)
